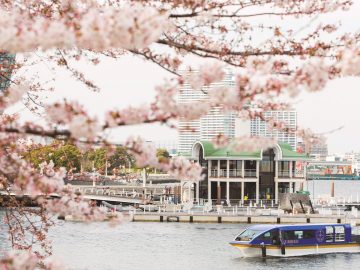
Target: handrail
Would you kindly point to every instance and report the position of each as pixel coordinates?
(250, 173)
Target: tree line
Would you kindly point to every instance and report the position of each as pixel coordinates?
(77, 160)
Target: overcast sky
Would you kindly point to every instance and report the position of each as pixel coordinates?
(131, 81)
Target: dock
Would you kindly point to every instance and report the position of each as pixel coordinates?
(139, 216)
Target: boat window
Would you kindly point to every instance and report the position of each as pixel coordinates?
(308, 234)
(292, 235)
(329, 234)
(339, 233)
(266, 236)
(247, 235)
(297, 235)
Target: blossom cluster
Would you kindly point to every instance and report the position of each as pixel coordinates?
(13, 94)
(28, 180)
(72, 114)
(95, 28)
(26, 260)
(75, 206)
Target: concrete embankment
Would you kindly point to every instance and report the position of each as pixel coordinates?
(215, 218)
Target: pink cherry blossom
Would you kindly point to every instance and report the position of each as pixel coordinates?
(130, 115)
(144, 153)
(82, 126)
(97, 28)
(350, 62)
(26, 260)
(15, 93)
(208, 73)
(183, 169)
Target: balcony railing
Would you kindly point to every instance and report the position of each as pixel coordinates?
(222, 172)
(250, 173)
(214, 173)
(284, 174)
(295, 174)
(234, 173)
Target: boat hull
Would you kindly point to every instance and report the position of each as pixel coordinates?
(248, 250)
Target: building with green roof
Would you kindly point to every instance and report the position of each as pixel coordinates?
(231, 176)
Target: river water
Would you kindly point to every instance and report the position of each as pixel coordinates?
(169, 246)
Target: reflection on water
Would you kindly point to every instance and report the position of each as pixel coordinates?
(170, 246)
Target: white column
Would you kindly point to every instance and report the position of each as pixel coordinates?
(290, 168)
(227, 169)
(218, 193)
(209, 182)
(144, 177)
(242, 192)
(276, 169)
(218, 169)
(276, 190)
(257, 180)
(243, 168)
(227, 191)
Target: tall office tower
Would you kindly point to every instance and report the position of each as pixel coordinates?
(7, 62)
(206, 128)
(289, 118)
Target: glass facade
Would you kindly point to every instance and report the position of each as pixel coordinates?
(7, 62)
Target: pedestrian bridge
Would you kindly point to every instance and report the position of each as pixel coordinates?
(126, 194)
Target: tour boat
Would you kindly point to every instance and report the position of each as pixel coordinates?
(296, 240)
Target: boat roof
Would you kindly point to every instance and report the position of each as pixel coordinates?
(266, 227)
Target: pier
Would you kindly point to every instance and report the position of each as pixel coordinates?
(230, 218)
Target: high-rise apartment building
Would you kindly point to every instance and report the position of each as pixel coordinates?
(260, 128)
(316, 151)
(214, 123)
